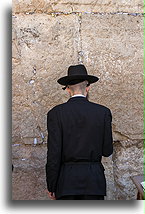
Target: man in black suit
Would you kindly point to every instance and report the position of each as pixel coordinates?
(79, 134)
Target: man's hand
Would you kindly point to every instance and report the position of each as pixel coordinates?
(51, 195)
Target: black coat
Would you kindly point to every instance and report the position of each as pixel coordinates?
(79, 134)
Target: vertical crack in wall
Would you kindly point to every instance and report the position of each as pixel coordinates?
(80, 52)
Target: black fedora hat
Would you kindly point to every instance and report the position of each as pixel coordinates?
(76, 74)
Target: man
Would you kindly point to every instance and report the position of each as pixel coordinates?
(79, 134)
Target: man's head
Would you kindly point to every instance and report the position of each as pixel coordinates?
(77, 81)
(79, 88)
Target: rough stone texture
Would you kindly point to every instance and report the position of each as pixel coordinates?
(28, 177)
(47, 6)
(29, 184)
(43, 48)
(115, 54)
(45, 43)
(128, 161)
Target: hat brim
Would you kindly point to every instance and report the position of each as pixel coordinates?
(66, 79)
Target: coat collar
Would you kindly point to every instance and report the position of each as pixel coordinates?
(78, 98)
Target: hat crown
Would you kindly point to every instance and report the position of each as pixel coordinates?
(77, 70)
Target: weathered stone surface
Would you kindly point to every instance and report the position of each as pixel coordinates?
(46, 6)
(114, 52)
(127, 162)
(29, 184)
(28, 177)
(44, 47)
(27, 155)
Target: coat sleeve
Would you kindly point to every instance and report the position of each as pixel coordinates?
(54, 144)
(108, 140)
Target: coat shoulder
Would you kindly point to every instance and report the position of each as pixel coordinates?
(56, 108)
(99, 106)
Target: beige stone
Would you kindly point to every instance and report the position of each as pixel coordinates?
(112, 49)
(114, 54)
(27, 156)
(29, 184)
(127, 162)
(28, 177)
(47, 46)
(47, 6)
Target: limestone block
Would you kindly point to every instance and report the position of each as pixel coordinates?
(112, 49)
(29, 184)
(45, 47)
(46, 6)
(127, 162)
(29, 155)
(28, 176)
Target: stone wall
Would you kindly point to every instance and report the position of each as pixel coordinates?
(48, 36)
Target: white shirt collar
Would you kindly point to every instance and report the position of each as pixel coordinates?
(78, 95)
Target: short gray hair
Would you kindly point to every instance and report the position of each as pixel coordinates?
(79, 87)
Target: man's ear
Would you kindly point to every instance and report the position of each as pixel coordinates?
(87, 88)
(68, 90)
